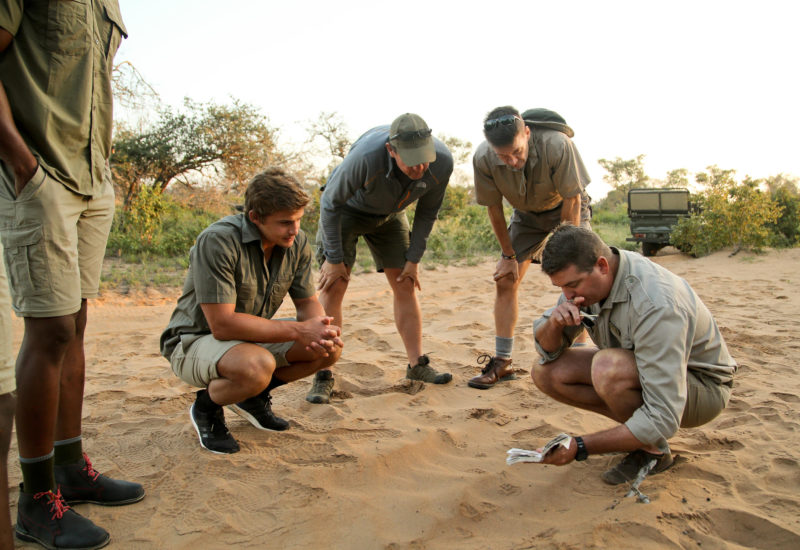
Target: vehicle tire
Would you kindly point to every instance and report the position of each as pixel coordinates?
(650, 249)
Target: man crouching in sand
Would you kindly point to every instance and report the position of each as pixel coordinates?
(222, 337)
(661, 363)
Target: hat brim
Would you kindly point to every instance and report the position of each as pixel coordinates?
(412, 156)
(553, 126)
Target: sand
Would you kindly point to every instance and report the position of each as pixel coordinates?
(392, 464)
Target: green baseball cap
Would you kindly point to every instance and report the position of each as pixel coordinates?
(410, 136)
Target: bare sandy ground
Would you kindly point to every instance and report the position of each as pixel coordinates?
(394, 465)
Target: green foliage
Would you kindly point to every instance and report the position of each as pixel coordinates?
(467, 235)
(615, 234)
(156, 225)
(784, 191)
(609, 213)
(456, 199)
(731, 214)
(677, 178)
(459, 148)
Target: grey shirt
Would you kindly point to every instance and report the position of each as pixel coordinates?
(369, 181)
(227, 266)
(657, 315)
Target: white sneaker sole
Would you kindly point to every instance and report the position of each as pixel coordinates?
(199, 437)
(250, 418)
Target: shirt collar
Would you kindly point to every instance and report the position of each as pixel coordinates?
(619, 292)
(249, 230)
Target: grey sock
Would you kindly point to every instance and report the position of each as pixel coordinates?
(503, 347)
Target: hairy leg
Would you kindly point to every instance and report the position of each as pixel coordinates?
(407, 314)
(506, 309)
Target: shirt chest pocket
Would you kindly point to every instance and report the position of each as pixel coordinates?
(280, 287)
(621, 338)
(68, 30)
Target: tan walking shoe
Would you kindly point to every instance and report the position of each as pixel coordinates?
(496, 370)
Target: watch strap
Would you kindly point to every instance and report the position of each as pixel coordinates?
(582, 453)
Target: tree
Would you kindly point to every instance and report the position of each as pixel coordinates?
(677, 178)
(331, 129)
(460, 149)
(230, 140)
(624, 175)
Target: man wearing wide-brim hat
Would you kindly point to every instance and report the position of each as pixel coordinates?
(529, 160)
(387, 169)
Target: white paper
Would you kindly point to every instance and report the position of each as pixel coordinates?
(522, 455)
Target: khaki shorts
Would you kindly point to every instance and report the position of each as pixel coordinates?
(388, 238)
(528, 231)
(7, 379)
(705, 399)
(198, 365)
(54, 243)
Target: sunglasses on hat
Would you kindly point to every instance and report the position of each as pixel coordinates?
(505, 120)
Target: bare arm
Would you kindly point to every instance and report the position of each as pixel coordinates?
(550, 334)
(498, 220)
(315, 333)
(571, 210)
(13, 150)
(616, 439)
(504, 267)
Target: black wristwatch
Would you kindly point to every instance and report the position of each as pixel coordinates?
(507, 257)
(582, 453)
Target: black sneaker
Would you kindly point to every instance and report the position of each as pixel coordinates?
(80, 482)
(258, 411)
(212, 431)
(322, 387)
(46, 519)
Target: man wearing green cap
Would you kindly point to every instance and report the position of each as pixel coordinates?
(530, 161)
(387, 169)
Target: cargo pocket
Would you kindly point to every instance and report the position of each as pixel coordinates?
(28, 270)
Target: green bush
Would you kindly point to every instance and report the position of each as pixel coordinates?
(730, 214)
(156, 225)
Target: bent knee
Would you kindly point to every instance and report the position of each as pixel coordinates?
(329, 361)
(542, 376)
(507, 285)
(257, 370)
(614, 366)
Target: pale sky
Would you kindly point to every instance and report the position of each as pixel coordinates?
(686, 83)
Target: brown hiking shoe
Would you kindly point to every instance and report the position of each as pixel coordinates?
(496, 370)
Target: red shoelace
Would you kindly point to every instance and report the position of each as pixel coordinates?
(90, 471)
(56, 502)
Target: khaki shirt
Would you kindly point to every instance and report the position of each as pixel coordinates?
(658, 316)
(57, 75)
(227, 266)
(554, 171)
